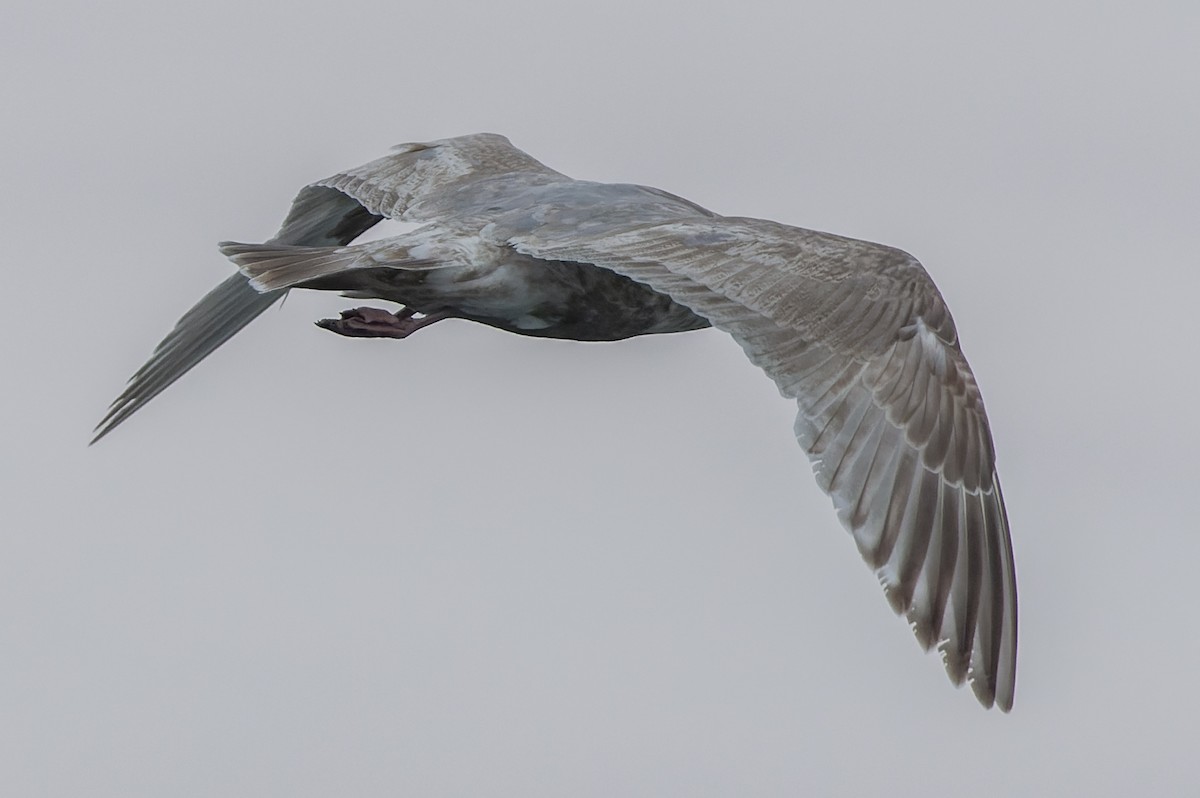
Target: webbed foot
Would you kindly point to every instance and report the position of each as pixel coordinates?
(378, 323)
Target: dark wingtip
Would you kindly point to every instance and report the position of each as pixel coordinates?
(984, 689)
(956, 662)
(107, 424)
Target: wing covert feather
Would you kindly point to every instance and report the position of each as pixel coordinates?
(419, 181)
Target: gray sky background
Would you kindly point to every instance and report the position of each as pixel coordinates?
(474, 564)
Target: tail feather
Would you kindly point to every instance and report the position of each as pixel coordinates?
(272, 267)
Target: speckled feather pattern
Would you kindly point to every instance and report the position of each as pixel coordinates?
(855, 332)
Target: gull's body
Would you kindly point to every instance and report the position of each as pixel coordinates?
(855, 332)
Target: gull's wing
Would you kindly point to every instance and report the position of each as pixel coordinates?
(318, 217)
(409, 183)
(889, 412)
(422, 181)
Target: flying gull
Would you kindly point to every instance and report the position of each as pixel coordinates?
(889, 411)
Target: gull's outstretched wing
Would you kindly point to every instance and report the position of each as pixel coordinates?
(889, 411)
(319, 217)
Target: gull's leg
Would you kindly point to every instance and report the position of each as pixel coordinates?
(378, 323)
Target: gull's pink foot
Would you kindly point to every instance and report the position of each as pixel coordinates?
(377, 323)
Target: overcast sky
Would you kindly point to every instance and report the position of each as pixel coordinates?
(473, 564)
